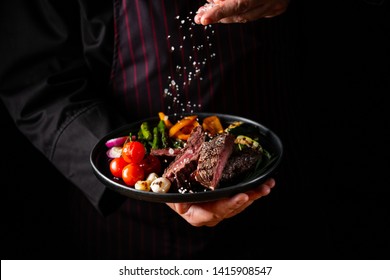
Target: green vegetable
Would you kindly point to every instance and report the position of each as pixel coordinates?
(156, 138)
(164, 134)
(243, 141)
(145, 133)
(239, 128)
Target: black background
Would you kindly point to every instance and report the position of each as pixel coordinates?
(342, 73)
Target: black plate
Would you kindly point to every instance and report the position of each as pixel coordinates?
(269, 141)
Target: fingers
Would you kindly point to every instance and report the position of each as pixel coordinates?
(253, 195)
(209, 213)
(212, 213)
(207, 14)
(250, 15)
(239, 11)
(262, 190)
(239, 208)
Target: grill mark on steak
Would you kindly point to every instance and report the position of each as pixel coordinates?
(213, 157)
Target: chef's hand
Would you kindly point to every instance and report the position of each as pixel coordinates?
(211, 213)
(239, 11)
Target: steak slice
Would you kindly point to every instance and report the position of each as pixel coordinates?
(165, 152)
(186, 161)
(239, 163)
(213, 157)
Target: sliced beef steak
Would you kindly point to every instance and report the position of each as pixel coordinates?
(205, 165)
(165, 152)
(239, 163)
(180, 169)
(213, 157)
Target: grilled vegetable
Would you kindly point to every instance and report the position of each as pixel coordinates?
(162, 129)
(212, 125)
(183, 127)
(246, 141)
(144, 133)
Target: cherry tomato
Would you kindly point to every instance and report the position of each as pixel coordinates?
(132, 173)
(133, 152)
(151, 164)
(117, 165)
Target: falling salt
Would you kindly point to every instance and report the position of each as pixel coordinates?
(196, 51)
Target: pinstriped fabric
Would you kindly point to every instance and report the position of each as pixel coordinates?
(158, 50)
(153, 46)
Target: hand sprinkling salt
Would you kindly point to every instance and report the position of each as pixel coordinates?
(206, 7)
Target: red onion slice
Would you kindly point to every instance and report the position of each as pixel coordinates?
(116, 142)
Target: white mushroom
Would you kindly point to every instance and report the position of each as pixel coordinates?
(142, 186)
(151, 177)
(160, 185)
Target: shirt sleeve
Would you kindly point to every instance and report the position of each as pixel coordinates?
(54, 75)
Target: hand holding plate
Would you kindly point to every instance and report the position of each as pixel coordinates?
(213, 212)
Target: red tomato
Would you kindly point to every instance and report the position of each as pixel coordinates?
(132, 173)
(117, 165)
(151, 164)
(133, 152)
